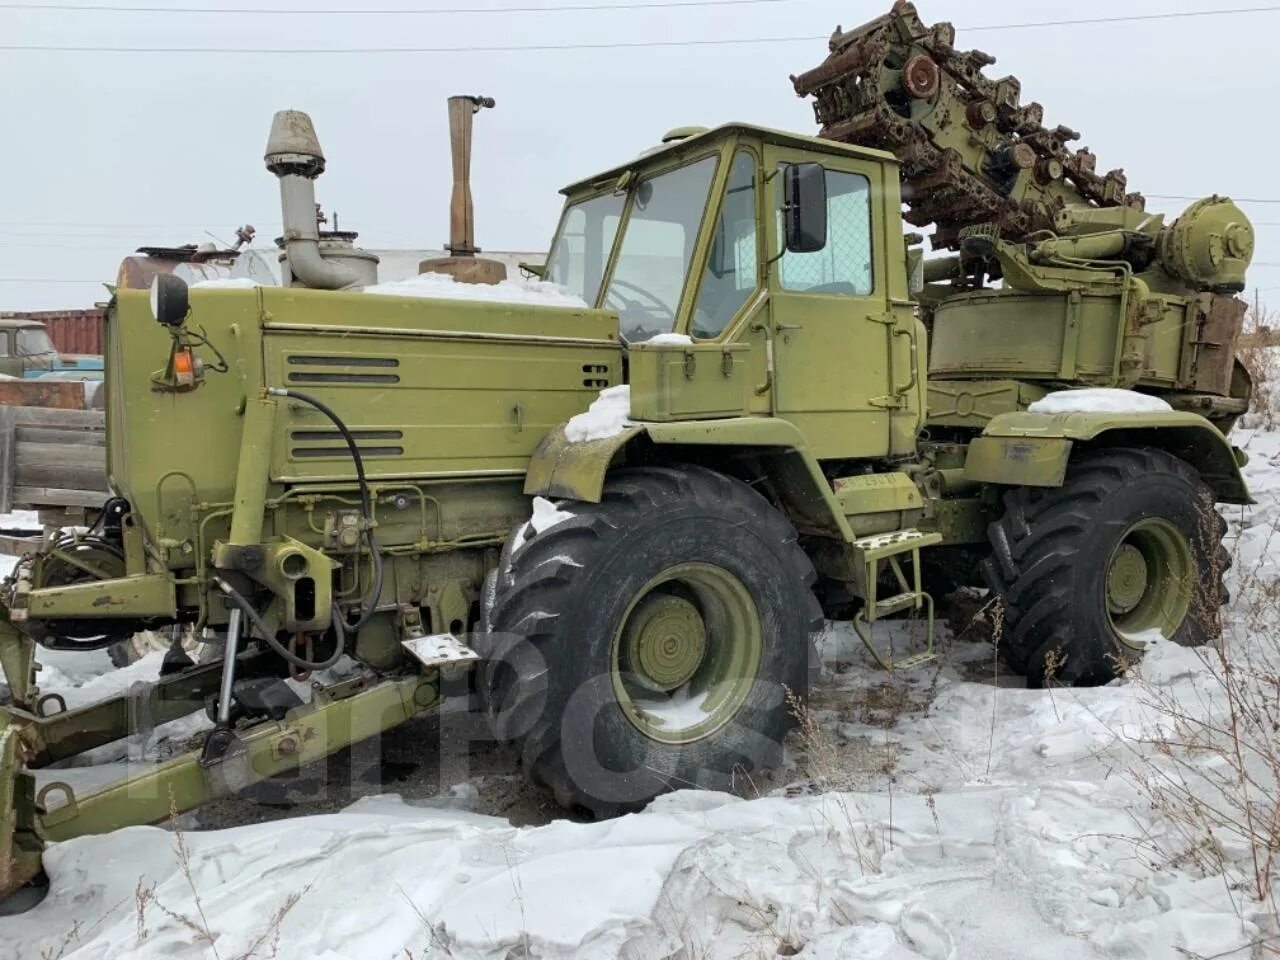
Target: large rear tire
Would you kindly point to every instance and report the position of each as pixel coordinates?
(649, 641)
(1128, 550)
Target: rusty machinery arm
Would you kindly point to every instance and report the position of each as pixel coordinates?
(972, 153)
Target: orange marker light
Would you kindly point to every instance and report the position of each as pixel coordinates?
(184, 367)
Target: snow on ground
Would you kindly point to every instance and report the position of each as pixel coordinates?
(1097, 400)
(21, 521)
(516, 290)
(946, 813)
(608, 415)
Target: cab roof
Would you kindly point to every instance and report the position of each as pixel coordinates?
(663, 152)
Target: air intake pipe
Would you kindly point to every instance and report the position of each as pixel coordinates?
(294, 156)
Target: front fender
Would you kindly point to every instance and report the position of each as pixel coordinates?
(562, 468)
(1033, 449)
(576, 469)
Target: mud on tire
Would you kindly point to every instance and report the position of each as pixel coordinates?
(1071, 614)
(589, 646)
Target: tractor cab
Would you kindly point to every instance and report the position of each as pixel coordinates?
(747, 258)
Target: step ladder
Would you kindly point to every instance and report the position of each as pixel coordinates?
(892, 548)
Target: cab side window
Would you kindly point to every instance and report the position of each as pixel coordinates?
(844, 264)
(733, 263)
(4, 343)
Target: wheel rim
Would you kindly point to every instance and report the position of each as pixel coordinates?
(1148, 582)
(686, 653)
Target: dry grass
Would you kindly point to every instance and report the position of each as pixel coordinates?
(1259, 350)
(1212, 768)
(848, 825)
(263, 947)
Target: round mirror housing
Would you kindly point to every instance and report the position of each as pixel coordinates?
(170, 299)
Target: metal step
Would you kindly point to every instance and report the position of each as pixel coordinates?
(896, 604)
(883, 545)
(891, 549)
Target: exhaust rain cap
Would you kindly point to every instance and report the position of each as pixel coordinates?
(293, 147)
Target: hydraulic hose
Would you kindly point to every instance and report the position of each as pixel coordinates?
(245, 607)
(366, 500)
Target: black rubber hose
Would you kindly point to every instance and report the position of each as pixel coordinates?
(340, 635)
(366, 500)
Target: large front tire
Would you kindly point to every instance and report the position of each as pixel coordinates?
(649, 642)
(1128, 550)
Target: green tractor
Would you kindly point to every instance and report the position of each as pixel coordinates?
(623, 514)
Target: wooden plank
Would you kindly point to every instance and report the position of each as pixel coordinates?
(16, 546)
(66, 394)
(7, 444)
(28, 498)
(72, 454)
(51, 417)
(88, 438)
(60, 475)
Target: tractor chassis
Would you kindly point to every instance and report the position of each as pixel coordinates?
(38, 731)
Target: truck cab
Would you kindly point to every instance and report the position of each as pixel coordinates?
(748, 270)
(25, 349)
(27, 352)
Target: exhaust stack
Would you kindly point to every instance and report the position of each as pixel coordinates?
(328, 261)
(462, 263)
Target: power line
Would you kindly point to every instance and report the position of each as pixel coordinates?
(404, 11)
(662, 4)
(608, 45)
(46, 280)
(1172, 15)
(1171, 196)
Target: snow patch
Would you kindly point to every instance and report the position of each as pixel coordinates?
(546, 515)
(432, 286)
(669, 339)
(1098, 400)
(226, 283)
(608, 415)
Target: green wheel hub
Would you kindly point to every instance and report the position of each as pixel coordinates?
(1149, 582)
(686, 653)
(665, 641)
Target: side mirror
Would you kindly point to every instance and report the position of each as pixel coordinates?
(804, 207)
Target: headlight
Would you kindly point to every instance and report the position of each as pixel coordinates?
(170, 300)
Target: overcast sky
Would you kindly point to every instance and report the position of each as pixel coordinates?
(102, 152)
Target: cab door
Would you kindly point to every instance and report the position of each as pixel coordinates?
(830, 318)
(10, 363)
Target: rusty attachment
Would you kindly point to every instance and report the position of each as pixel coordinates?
(921, 76)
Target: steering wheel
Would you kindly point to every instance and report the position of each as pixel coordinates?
(840, 286)
(658, 307)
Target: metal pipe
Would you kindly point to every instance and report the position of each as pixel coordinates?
(293, 154)
(462, 231)
(302, 238)
(229, 666)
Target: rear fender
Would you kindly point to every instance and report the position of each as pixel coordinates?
(1033, 449)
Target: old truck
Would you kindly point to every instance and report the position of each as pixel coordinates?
(27, 352)
(625, 517)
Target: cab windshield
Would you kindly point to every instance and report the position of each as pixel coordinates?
(657, 245)
(34, 342)
(654, 250)
(583, 244)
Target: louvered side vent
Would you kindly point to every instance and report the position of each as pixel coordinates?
(327, 369)
(329, 443)
(595, 376)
